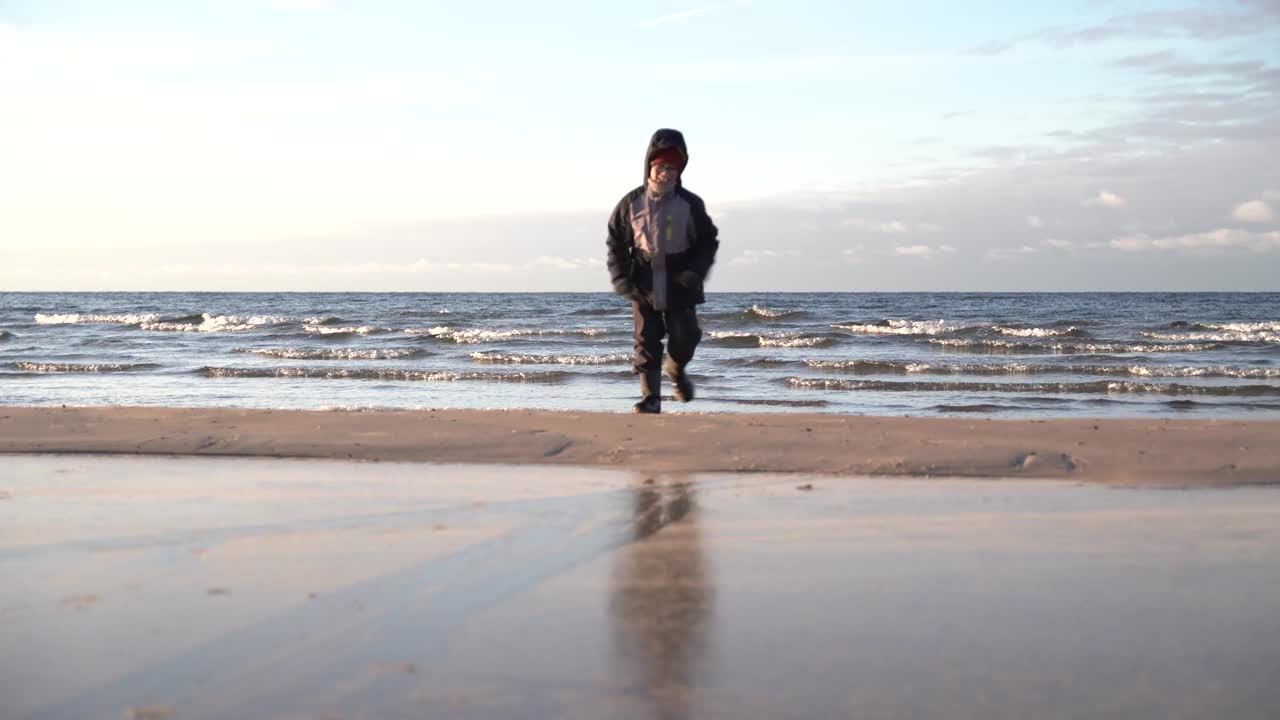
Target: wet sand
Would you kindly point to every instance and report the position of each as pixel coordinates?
(221, 587)
(1169, 452)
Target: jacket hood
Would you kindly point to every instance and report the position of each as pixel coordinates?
(666, 139)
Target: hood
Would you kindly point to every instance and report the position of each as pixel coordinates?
(666, 139)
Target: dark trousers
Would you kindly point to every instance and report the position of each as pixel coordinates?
(680, 327)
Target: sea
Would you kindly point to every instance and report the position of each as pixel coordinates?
(1195, 355)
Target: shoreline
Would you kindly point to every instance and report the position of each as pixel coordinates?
(1165, 452)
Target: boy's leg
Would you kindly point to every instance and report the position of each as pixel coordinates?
(649, 329)
(683, 337)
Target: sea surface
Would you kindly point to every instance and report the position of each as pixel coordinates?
(969, 354)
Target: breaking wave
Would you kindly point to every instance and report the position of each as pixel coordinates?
(1266, 326)
(81, 318)
(6, 336)
(1037, 331)
(362, 330)
(1011, 347)
(870, 367)
(731, 338)
(521, 359)
(903, 327)
(343, 354)
(1097, 387)
(46, 367)
(214, 323)
(757, 311)
(383, 374)
(1221, 334)
(480, 335)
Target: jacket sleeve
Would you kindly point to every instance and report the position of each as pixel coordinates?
(706, 239)
(621, 246)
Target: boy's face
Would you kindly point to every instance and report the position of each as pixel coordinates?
(660, 172)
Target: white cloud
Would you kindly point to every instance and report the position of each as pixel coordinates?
(1254, 211)
(1220, 239)
(1106, 199)
(754, 257)
(1060, 244)
(1006, 253)
(892, 227)
(921, 251)
(1035, 221)
(560, 263)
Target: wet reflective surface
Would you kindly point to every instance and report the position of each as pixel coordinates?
(213, 588)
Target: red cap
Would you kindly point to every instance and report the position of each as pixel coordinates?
(670, 156)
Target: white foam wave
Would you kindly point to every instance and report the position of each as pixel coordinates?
(480, 335)
(903, 327)
(81, 318)
(519, 359)
(765, 312)
(1272, 326)
(1088, 387)
(350, 330)
(1033, 331)
(792, 342)
(50, 367)
(1155, 371)
(320, 320)
(339, 354)
(385, 374)
(1256, 335)
(437, 331)
(1083, 347)
(216, 323)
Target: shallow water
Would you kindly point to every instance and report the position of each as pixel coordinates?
(284, 588)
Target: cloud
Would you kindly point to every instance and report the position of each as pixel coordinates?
(922, 251)
(1004, 253)
(992, 47)
(1254, 17)
(1106, 199)
(1034, 221)
(891, 226)
(755, 257)
(561, 263)
(1060, 244)
(1254, 211)
(1220, 239)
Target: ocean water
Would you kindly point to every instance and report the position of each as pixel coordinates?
(983, 354)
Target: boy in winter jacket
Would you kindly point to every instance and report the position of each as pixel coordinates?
(662, 244)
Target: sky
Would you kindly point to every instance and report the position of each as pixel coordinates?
(915, 145)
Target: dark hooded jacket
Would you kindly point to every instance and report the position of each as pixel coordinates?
(669, 241)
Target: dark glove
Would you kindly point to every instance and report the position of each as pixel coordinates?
(628, 290)
(688, 279)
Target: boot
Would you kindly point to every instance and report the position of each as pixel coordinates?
(650, 399)
(683, 385)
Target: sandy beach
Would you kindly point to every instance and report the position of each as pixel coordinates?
(179, 588)
(1118, 451)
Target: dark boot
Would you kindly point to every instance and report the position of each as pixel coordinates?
(683, 386)
(650, 399)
